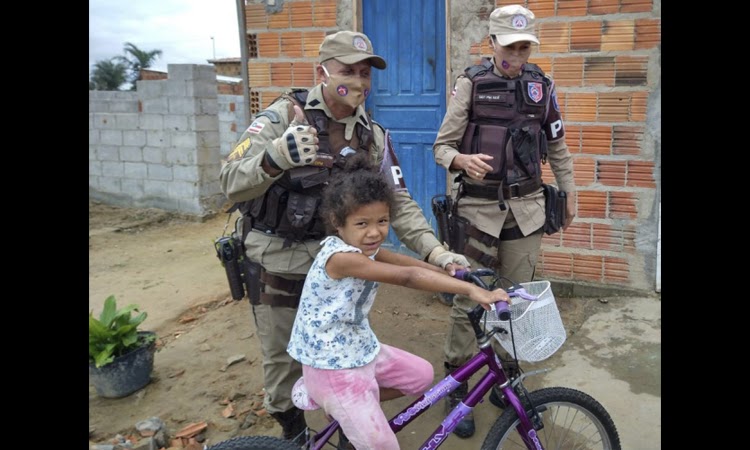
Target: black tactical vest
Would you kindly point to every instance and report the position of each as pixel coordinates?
(289, 208)
(506, 122)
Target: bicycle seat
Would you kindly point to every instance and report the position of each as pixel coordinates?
(300, 398)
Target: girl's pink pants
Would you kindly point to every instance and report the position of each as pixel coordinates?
(352, 396)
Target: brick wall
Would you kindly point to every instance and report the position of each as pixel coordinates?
(605, 58)
(161, 145)
(231, 67)
(283, 45)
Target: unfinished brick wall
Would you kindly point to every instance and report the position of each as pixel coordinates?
(599, 53)
(231, 67)
(283, 46)
(604, 56)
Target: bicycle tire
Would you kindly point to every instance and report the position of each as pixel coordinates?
(255, 443)
(562, 407)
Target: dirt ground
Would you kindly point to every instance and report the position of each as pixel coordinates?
(166, 264)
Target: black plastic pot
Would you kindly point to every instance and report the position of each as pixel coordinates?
(126, 374)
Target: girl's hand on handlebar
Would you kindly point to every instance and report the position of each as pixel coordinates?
(486, 298)
(452, 268)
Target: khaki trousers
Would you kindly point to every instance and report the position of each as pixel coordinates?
(280, 371)
(518, 260)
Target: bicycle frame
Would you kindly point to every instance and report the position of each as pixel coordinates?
(495, 375)
(572, 418)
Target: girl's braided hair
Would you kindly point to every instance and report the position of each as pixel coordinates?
(358, 184)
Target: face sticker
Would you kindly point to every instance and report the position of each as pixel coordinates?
(535, 91)
(255, 127)
(505, 65)
(342, 90)
(366, 92)
(453, 92)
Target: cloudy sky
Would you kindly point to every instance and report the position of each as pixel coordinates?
(181, 29)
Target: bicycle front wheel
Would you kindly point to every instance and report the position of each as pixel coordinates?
(255, 443)
(572, 420)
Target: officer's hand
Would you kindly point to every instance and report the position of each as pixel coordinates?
(448, 260)
(475, 166)
(297, 147)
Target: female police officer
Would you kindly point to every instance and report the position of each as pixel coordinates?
(502, 123)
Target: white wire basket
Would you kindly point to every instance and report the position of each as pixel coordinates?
(538, 329)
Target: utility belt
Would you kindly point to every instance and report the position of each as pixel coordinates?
(308, 236)
(293, 287)
(555, 211)
(514, 190)
(248, 279)
(462, 230)
(456, 231)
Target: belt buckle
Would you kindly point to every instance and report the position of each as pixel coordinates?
(511, 188)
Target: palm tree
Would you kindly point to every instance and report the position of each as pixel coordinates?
(108, 75)
(137, 60)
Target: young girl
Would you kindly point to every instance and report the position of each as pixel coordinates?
(346, 370)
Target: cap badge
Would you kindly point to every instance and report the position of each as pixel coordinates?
(360, 43)
(519, 21)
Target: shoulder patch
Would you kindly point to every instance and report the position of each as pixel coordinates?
(255, 127)
(272, 115)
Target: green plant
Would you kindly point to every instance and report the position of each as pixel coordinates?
(115, 333)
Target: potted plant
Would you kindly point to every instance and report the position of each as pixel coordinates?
(121, 357)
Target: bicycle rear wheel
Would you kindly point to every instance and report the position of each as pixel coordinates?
(572, 420)
(255, 443)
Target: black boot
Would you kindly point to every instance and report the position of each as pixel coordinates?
(465, 427)
(293, 424)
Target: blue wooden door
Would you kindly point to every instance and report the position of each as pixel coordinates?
(408, 97)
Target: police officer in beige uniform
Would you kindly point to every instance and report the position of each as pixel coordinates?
(277, 170)
(493, 140)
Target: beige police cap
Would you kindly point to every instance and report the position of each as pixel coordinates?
(513, 23)
(349, 47)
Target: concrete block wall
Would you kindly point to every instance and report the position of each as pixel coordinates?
(159, 146)
(605, 58)
(231, 122)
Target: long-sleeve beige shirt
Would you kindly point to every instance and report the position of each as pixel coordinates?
(483, 213)
(242, 178)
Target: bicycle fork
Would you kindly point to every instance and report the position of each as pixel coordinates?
(530, 421)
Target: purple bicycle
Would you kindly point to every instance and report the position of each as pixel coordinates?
(547, 418)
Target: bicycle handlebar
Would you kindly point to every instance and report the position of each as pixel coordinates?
(502, 308)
